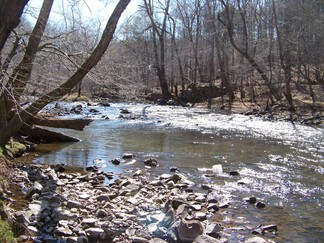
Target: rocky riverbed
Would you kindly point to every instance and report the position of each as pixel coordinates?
(83, 207)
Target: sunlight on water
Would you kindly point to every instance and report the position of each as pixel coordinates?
(280, 163)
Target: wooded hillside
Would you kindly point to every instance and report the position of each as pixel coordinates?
(251, 50)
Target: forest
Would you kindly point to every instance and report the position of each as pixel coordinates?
(264, 51)
(204, 120)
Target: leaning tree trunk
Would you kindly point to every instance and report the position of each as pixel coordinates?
(21, 74)
(17, 121)
(10, 13)
(244, 50)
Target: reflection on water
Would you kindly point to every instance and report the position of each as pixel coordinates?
(283, 162)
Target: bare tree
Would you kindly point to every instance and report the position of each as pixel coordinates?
(22, 115)
(216, 44)
(227, 19)
(159, 33)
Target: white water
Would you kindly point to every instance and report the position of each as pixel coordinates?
(283, 162)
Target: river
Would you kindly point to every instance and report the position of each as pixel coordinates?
(280, 162)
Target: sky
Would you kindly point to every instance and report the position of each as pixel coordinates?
(90, 9)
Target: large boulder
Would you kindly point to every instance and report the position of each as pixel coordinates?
(189, 230)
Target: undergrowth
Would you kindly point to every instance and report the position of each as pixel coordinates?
(6, 234)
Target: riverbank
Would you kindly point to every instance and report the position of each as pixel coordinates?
(225, 216)
(80, 207)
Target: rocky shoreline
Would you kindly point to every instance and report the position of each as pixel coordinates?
(83, 207)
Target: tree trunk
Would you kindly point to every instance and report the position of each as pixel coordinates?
(10, 13)
(159, 53)
(285, 60)
(22, 72)
(21, 117)
(39, 134)
(230, 29)
(76, 124)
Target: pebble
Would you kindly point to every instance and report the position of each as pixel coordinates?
(128, 210)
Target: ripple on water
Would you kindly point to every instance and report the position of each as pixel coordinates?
(282, 161)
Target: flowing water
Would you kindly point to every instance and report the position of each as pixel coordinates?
(281, 163)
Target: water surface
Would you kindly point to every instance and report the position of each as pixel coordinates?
(283, 162)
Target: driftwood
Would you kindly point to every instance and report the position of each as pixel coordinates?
(76, 124)
(39, 134)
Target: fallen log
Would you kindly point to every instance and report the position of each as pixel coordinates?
(76, 124)
(41, 135)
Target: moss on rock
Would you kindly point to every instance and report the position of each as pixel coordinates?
(15, 148)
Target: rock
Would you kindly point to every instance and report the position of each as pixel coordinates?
(92, 168)
(89, 221)
(195, 207)
(234, 173)
(59, 168)
(161, 102)
(212, 200)
(224, 205)
(244, 181)
(170, 184)
(125, 111)
(101, 213)
(115, 161)
(77, 109)
(257, 231)
(130, 190)
(92, 110)
(22, 218)
(200, 199)
(127, 156)
(157, 240)
(151, 162)
(100, 177)
(251, 200)
(36, 188)
(206, 187)
(104, 104)
(156, 183)
(176, 178)
(82, 239)
(94, 233)
(212, 207)
(174, 169)
(64, 231)
(84, 196)
(213, 229)
(136, 239)
(260, 205)
(165, 176)
(209, 175)
(271, 227)
(206, 239)
(201, 216)
(255, 240)
(138, 173)
(36, 207)
(168, 219)
(23, 238)
(109, 175)
(217, 169)
(73, 204)
(62, 214)
(172, 102)
(31, 230)
(188, 231)
(175, 203)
